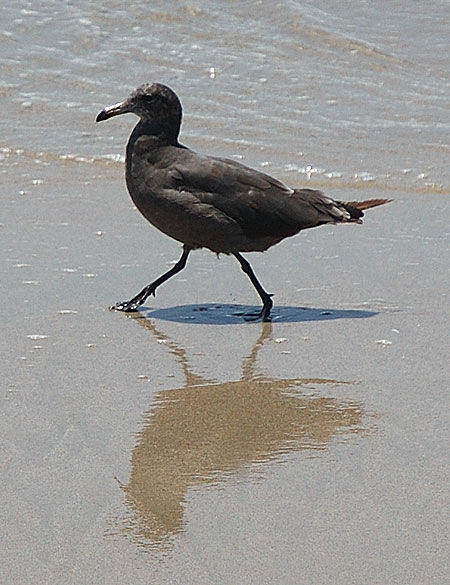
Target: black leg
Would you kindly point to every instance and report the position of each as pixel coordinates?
(135, 302)
(265, 297)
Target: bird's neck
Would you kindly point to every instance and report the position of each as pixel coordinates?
(163, 133)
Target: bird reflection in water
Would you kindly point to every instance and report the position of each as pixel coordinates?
(205, 432)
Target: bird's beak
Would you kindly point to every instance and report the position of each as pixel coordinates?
(110, 111)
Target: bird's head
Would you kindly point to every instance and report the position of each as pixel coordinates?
(157, 106)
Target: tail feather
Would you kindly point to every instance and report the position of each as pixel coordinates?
(355, 208)
(367, 204)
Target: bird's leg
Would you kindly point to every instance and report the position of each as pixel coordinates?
(265, 296)
(135, 302)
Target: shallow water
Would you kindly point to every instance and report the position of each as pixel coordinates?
(185, 445)
(357, 93)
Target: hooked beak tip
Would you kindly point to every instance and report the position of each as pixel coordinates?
(101, 116)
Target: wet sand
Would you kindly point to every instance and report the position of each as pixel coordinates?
(185, 445)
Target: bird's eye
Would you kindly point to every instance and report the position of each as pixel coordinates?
(148, 98)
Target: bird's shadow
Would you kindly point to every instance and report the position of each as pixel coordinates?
(228, 314)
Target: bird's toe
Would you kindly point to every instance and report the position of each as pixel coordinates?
(125, 306)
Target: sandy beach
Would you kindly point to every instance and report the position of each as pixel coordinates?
(188, 428)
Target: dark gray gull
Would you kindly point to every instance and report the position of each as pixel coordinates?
(209, 202)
